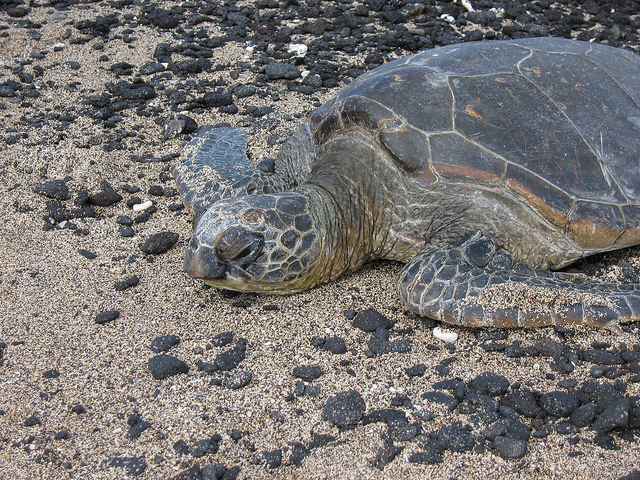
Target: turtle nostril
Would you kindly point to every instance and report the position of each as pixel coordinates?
(239, 246)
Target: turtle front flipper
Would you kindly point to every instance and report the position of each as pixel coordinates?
(214, 165)
(477, 285)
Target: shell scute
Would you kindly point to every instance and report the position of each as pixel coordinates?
(409, 145)
(599, 109)
(479, 165)
(486, 58)
(631, 235)
(515, 121)
(552, 202)
(367, 112)
(595, 225)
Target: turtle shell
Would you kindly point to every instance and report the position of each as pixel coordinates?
(554, 121)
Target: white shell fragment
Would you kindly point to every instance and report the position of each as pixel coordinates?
(447, 18)
(298, 49)
(138, 207)
(467, 4)
(448, 337)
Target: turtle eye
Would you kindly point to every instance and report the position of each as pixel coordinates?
(239, 246)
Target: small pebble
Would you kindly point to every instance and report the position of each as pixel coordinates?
(56, 189)
(370, 320)
(238, 380)
(105, 198)
(133, 466)
(335, 345)
(107, 316)
(344, 408)
(165, 366)
(32, 421)
(307, 373)
(163, 343)
(615, 415)
(558, 403)
(159, 243)
(510, 447)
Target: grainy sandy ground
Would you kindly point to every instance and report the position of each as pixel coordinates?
(50, 295)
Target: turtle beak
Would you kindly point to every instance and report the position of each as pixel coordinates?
(201, 262)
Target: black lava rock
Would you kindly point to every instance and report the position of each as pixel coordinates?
(522, 401)
(441, 398)
(559, 404)
(222, 339)
(602, 357)
(217, 99)
(164, 343)
(335, 345)
(126, 232)
(62, 435)
(386, 455)
(370, 320)
(159, 243)
(428, 457)
(307, 373)
(583, 415)
(215, 471)
(127, 284)
(207, 446)
(56, 189)
(456, 387)
(32, 421)
(231, 358)
(273, 459)
(106, 198)
(491, 384)
(456, 438)
(136, 426)
(164, 366)
(615, 415)
(107, 316)
(238, 380)
(379, 344)
(87, 254)
(416, 370)
(344, 408)
(50, 374)
(509, 447)
(278, 70)
(133, 465)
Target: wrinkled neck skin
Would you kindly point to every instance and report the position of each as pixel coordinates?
(347, 202)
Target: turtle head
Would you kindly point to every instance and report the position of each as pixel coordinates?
(260, 243)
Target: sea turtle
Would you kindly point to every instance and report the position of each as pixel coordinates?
(481, 165)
